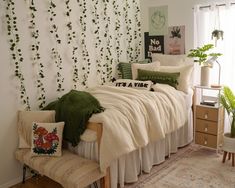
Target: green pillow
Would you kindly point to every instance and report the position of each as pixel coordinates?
(159, 77)
(125, 68)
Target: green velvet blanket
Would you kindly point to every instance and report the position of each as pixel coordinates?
(75, 108)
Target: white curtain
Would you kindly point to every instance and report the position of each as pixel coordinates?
(221, 18)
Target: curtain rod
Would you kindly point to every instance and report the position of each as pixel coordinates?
(218, 5)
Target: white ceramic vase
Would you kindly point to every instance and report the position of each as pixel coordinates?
(205, 74)
(229, 143)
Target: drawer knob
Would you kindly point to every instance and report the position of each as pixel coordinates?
(206, 116)
(206, 129)
(205, 141)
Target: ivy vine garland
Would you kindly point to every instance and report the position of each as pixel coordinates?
(55, 55)
(86, 65)
(98, 48)
(129, 37)
(71, 36)
(35, 46)
(16, 52)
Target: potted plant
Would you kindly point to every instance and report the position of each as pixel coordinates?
(227, 99)
(217, 34)
(201, 55)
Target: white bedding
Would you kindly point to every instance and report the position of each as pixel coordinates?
(134, 118)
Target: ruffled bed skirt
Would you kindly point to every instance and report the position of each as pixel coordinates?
(127, 168)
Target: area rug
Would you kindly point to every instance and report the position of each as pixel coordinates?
(192, 167)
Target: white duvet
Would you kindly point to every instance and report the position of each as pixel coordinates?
(133, 118)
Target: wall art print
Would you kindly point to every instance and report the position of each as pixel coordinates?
(153, 44)
(175, 40)
(158, 20)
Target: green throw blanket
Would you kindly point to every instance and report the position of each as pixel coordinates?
(75, 108)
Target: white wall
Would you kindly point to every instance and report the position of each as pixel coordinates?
(180, 12)
(10, 169)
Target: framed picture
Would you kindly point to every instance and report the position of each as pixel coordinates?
(153, 44)
(175, 40)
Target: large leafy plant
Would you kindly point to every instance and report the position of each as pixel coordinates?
(227, 99)
(201, 54)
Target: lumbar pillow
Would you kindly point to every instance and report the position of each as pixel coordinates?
(150, 66)
(159, 77)
(185, 75)
(125, 68)
(144, 85)
(25, 120)
(171, 60)
(47, 139)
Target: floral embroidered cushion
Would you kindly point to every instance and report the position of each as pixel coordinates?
(25, 120)
(47, 139)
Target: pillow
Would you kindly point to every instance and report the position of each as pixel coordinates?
(25, 120)
(47, 139)
(125, 68)
(150, 66)
(185, 75)
(171, 60)
(159, 77)
(142, 85)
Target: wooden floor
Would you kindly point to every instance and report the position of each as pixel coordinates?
(38, 182)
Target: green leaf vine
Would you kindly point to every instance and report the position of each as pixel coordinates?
(108, 46)
(16, 52)
(71, 41)
(118, 33)
(55, 55)
(96, 20)
(129, 37)
(35, 47)
(86, 64)
(137, 31)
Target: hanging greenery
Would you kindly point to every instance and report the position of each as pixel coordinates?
(129, 36)
(86, 65)
(108, 56)
(96, 20)
(71, 41)
(137, 32)
(35, 47)
(118, 33)
(55, 55)
(16, 52)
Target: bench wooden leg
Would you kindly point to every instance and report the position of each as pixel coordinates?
(233, 159)
(224, 156)
(24, 173)
(105, 181)
(229, 155)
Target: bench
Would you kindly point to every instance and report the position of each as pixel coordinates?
(69, 170)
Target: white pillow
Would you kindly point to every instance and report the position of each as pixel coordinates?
(171, 60)
(185, 75)
(137, 84)
(154, 66)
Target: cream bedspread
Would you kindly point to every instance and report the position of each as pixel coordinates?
(133, 118)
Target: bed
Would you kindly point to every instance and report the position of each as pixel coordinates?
(126, 164)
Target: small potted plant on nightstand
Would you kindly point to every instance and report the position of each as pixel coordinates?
(201, 55)
(227, 99)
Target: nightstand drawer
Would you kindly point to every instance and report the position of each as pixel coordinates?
(206, 140)
(207, 113)
(206, 126)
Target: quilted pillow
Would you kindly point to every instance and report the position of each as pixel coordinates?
(142, 85)
(150, 66)
(159, 77)
(171, 60)
(47, 139)
(185, 78)
(25, 120)
(125, 68)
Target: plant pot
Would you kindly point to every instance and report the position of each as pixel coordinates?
(205, 74)
(229, 143)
